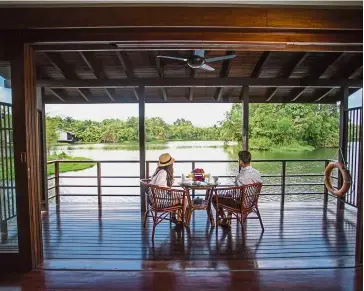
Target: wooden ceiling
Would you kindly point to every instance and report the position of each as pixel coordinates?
(107, 54)
(93, 76)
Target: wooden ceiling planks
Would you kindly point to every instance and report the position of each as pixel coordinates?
(268, 69)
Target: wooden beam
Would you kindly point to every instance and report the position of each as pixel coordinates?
(150, 16)
(260, 65)
(347, 72)
(317, 73)
(142, 146)
(161, 75)
(201, 82)
(53, 92)
(96, 67)
(26, 157)
(68, 72)
(127, 68)
(288, 70)
(245, 113)
(224, 73)
(192, 76)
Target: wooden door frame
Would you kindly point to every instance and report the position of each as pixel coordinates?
(26, 159)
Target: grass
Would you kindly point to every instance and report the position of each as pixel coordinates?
(293, 148)
(68, 167)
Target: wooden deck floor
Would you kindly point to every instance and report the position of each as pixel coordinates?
(305, 235)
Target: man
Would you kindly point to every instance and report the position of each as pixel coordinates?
(248, 175)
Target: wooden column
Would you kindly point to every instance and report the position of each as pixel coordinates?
(343, 136)
(26, 156)
(43, 151)
(359, 189)
(245, 117)
(142, 147)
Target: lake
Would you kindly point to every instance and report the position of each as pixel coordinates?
(191, 150)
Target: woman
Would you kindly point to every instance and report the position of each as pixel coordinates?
(163, 176)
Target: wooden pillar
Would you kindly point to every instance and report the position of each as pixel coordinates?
(343, 136)
(245, 117)
(142, 153)
(359, 189)
(43, 150)
(26, 156)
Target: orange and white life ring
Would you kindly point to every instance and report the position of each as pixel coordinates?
(345, 177)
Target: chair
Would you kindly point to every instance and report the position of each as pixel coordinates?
(239, 201)
(161, 203)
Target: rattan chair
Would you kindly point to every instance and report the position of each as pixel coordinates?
(239, 201)
(161, 203)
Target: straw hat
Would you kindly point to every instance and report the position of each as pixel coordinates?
(165, 160)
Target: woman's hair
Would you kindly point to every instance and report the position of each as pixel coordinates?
(169, 170)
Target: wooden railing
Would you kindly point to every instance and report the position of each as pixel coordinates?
(274, 184)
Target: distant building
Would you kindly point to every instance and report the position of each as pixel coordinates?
(66, 136)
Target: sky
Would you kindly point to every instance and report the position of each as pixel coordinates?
(199, 114)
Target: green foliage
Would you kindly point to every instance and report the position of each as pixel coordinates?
(115, 131)
(52, 125)
(271, 127)
(289, 126)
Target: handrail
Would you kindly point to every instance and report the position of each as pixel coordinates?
(282, 176)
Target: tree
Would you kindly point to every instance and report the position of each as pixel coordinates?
(51, 132)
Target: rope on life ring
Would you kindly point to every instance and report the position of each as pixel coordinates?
(345, 176)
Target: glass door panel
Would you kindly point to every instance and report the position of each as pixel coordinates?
(8, 210)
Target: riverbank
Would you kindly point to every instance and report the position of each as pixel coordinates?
(67, 167)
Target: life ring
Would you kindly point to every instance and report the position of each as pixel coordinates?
(345, 176)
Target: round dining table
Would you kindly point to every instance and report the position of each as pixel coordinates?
(194, 204)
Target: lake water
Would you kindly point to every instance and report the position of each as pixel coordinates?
(191, 150)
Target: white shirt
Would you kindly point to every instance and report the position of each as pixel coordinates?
(248, 175)
(160, 179)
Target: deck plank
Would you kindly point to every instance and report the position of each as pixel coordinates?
(304, 235)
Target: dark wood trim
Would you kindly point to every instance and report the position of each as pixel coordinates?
(319, 70)
(142, 146)
(161, 75)
(26, 140)
(127, 68)
(343, 140)
(43, 153)
(260, 65)
(224, 73)
(139, 16)
(67, 71)
(200, 82)
(245, 108)
(359, 189)
(288, 71)
(53, 91)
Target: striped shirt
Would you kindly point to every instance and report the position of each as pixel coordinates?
(248, 175)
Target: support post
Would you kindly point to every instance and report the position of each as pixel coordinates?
(99, 198)
(343, 138)
(56, 181)
(359, 189)
(142, 153)
(283, 184)
(245, 108)
(43, 151)
(326, 192)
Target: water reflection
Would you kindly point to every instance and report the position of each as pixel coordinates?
(195, 150)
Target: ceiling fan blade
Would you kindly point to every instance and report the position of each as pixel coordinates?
(199, 53)
(217, 59)
(207, 68)
(173, 58)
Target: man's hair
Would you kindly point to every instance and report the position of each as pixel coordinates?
(245, 157)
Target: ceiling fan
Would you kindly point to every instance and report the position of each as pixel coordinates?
(198, 60)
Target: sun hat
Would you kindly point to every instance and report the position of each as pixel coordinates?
(165, 160)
